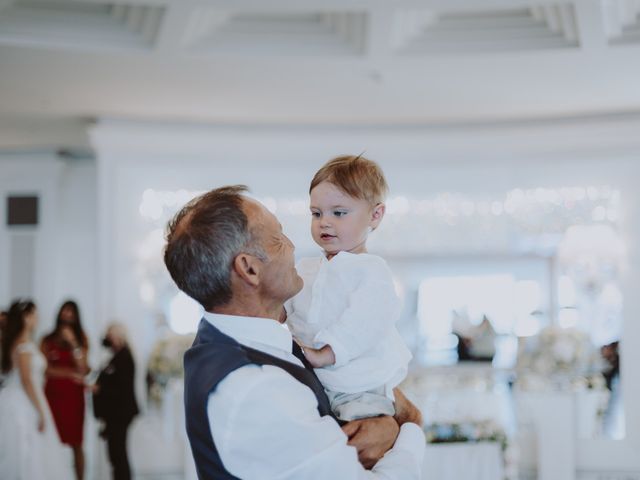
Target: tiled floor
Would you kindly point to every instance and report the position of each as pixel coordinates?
(163, 476)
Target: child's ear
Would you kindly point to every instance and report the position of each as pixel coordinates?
(377, 214)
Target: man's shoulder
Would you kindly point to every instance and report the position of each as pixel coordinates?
(209, 362)
(261, 384)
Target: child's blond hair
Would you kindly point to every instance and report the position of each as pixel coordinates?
(357, 176)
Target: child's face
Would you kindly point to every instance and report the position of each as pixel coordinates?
(340, 222)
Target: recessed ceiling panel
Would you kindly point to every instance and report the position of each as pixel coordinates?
(285, 33)
(82, 25)
(533, 28)
(622, 21)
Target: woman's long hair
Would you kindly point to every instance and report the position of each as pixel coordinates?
(78, 332)
(13, 328)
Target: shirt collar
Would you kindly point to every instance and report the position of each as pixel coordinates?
(323, 255)
(252, 331)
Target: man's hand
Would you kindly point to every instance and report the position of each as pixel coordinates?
(77, 378)
(405, 410)
(372, 437)
(319, 357)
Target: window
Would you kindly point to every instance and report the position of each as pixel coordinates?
(511, 298)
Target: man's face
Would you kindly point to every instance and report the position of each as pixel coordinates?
(279, 279)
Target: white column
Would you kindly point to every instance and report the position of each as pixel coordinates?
(553, 418)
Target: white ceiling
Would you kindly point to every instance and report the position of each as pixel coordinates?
(310, 61)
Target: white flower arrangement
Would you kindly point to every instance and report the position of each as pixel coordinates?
(165, 363)
(559, 353)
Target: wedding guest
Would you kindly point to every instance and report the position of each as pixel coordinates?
(114, 400)
(464, 345)
(3, 322)
(66, 350)
(30, 448)
(611, 356)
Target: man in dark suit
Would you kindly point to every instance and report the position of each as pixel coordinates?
(114, 400)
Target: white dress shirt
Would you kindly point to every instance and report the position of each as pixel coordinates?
(266, 424)
(350, 303)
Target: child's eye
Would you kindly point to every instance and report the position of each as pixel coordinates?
(315, 214)
(339, 213)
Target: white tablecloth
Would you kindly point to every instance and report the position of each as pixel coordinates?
(468, 461)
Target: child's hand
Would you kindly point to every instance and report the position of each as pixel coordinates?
(319, 357)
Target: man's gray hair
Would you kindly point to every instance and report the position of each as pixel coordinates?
(203, 240)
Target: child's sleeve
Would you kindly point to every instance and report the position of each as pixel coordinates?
(372, 311)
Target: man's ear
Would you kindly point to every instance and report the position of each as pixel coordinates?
(377, 214)
(247, 267)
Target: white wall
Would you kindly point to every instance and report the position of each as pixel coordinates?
(64, 250)
(76, 237)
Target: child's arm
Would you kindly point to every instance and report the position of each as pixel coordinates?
(372, 310)
(319, 357)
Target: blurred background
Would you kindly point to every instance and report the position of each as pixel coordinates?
(509, 132)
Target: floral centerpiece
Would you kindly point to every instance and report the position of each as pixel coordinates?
(564, 355)
(466, 431)
(165, 363)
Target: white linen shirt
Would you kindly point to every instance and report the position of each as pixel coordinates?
(266, 424)
(350, 303)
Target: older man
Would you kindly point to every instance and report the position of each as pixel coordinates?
(253, 409)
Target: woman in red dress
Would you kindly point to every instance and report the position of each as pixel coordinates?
(66, 351)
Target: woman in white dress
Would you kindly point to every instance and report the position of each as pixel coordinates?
(29, 445)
